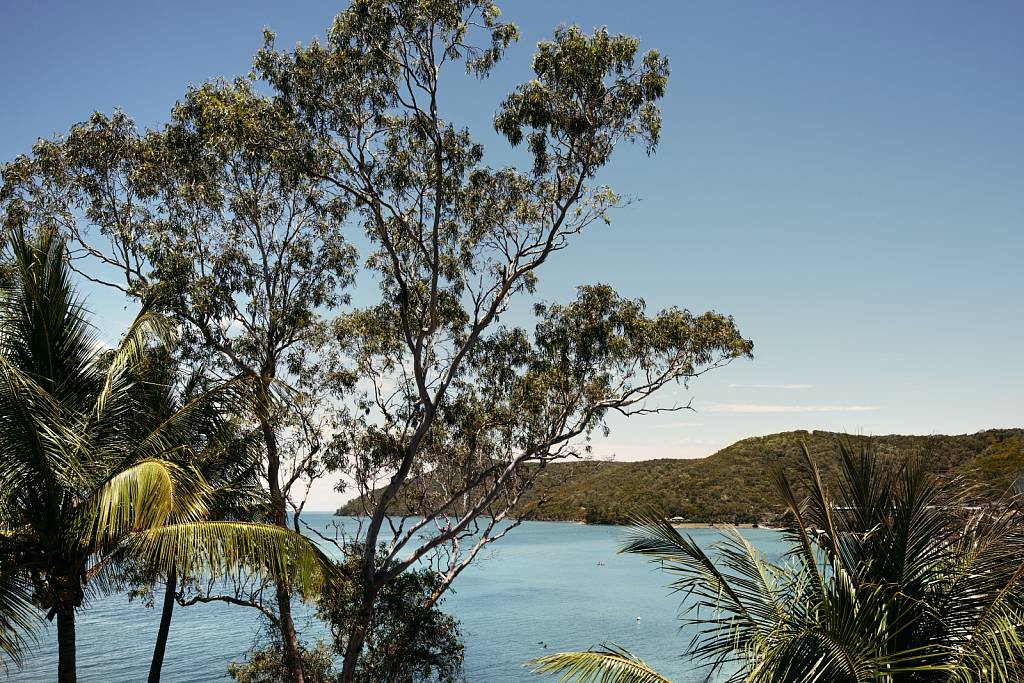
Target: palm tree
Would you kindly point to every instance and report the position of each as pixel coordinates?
(894, 577)
(221, 450)
(79, 476)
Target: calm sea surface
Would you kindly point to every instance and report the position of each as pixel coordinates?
(540, 584)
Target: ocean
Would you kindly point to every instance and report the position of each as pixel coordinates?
(540, 585)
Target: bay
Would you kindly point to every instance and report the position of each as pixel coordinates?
(539, 590)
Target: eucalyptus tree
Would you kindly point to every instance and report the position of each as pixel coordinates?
(214, 222)
(84, 475)
(457, 406)
(231, 220)
(895, 577)
(249, 254)
(411, 640)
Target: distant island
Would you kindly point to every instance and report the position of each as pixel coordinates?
(734, 485)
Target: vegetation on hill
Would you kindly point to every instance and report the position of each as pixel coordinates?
(735, 484)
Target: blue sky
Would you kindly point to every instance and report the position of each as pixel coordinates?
(846, 179)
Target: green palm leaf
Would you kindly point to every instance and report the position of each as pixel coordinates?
(146, 327)
(218, 549)
(143, 496)
(18, 615)
(608, 664)
(736, 600)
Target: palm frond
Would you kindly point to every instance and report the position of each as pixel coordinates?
(18, 616)
(799, 533)
(143, 496)
(995, 644)
(607, 664)
(895, 577)
(820, 510)
(44, 329)
(218, 549)
(146, 327)
(36, 432)
(736, 600)
(183, 424)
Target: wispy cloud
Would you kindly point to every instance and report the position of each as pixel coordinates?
(778, 408)
(770, 386)
(675, 425)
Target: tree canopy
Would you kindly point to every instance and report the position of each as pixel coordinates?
(237, 220)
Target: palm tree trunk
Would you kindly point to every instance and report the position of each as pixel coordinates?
(165, 627)
(66, 671)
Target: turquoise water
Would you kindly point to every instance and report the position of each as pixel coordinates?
(540, 584)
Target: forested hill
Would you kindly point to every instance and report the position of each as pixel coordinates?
(734, 485)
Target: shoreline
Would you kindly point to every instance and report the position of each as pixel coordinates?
(675, 525)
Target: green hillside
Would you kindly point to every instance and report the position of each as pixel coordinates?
(734, 485)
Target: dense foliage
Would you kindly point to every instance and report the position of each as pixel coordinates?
(410, 640)
(91, 476)
(893, 575)
(267, 663)
(734, 486)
